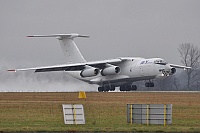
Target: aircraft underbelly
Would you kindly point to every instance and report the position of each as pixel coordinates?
(111, 79)
(117, 80)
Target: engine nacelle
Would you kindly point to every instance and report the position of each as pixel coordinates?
(90, 72)
(172, 71)
(110, 70)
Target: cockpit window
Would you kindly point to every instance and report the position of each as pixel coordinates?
(161, 62)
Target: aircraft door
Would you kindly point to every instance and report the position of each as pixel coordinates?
(141, 70)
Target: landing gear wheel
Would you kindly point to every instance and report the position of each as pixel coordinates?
(128, 87)
(100, 89)
(106, 88)
(134, 87)
(112, 88)
(152, 85)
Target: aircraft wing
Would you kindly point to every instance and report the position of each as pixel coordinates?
(179, 66)
(72, 67)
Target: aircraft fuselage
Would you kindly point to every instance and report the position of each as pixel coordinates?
(131, 70)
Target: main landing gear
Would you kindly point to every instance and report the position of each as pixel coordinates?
(106, 88)
(122, 88)
(128, 88)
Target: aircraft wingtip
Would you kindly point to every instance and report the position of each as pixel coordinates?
(12, 70)
(29, 36)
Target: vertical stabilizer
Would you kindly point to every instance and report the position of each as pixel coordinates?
(71, 51)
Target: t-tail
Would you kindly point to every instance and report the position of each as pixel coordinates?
(70, 50)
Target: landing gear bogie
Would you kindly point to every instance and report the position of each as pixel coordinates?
(106, 88)
(128, 88)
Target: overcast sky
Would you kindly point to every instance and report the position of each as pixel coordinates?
(117, 28)
(151, 28)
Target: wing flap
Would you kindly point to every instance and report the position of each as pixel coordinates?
(65, 68)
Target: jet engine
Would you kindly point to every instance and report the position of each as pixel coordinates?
(172, 71)
(89, 72)
(110, 70)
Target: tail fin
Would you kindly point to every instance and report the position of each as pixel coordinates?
(71, 51)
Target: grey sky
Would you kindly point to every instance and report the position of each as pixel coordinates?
(151, 28)
(118, 28)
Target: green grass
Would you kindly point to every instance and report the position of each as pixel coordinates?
(103, 111)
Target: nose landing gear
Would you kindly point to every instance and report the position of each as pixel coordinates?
(149, 84)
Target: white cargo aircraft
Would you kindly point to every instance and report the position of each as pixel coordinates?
(108, 74)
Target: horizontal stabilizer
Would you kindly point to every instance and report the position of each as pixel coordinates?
(61, 36)
(70, 50)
